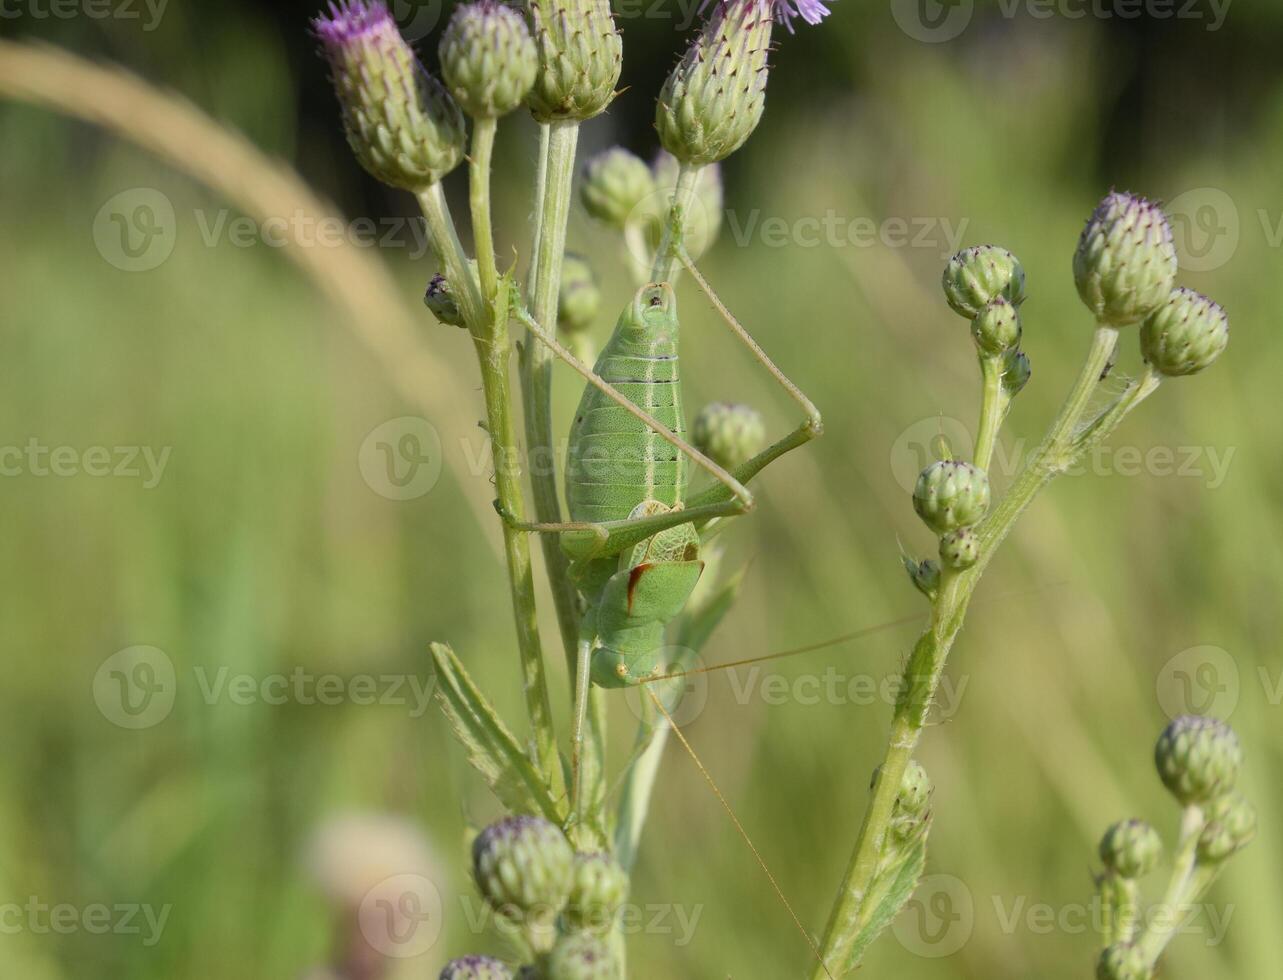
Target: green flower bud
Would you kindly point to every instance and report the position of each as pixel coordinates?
(1232, 828)
(714, 98)
(978, 275)
(996, 328)
(951, 494)
(476, 968)
(523, 868)
(912, 812)
(599, 889)
(580, 58)
(1123, 961)
(703, 221)
(401, 123)
(1016, 372)
(439, 298)
(925, 576)
(582, 956)
(729, 435)
(1131, 848)
(959, 549)
(1186, 334)
(1198, 758)
(615, 182)
(488, 59)
(580, 299)
(1125, 265)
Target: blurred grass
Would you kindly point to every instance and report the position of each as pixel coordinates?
(262, 548)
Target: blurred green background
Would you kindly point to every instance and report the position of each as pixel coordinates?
(1147, 588)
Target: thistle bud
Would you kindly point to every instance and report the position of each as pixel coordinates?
(978, 275)
(951, 494)
(615, 182)
(580, 58)
(523, 867)
(1198, 758)
(714, 98)
(729, 435)
(599, 889)
(439, 298)
(580, 298)
(1123, 961)
(401, 123)
(582, 956)
(1131, 848)
(911, 813)
(925, 576)
(1184, 335)
(476, 968)
(488, 59)
(1125, 265)
(1232, 828)
(1016, 372)
(996, 328)
(959, 549)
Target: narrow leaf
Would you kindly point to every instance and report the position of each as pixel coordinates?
(891, 890)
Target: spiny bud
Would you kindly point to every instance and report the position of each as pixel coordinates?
(978, 275)
(951, 494)
(582, 956)
(1232, 828)
(488, 58)
(1125, 265)
(401, 123)
(996, 328)
(728, 434)
(523, 867)
(1186, 334)
(615, 182)
(925, 576)
(1123, 961)
(476, 968)
(1016, 372)
(1131, 848)
(599, 889)
(580, 57)
(714, 98)
(580, 298)
(439, 298)
(959, 549)
(1198, 758)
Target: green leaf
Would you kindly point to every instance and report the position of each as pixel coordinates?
(492, 749)
(891, 889)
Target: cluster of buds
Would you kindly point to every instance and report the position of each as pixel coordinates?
(985, 284)
(951, 497)
(1125, 269)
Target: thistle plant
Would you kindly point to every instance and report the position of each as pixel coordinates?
(632, 557)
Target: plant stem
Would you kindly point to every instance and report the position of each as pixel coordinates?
(993, 407)
(556, 165)
(488, 324)
(926, 663)
(666, 257)
(1186, 884)
(483, 134)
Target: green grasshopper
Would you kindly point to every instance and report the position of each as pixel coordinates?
(634, 535)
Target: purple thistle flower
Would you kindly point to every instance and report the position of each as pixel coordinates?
(811, 11)
(354, 21)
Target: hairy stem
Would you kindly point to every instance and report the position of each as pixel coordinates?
(927, 662)
(666, 257)
(483, 134)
